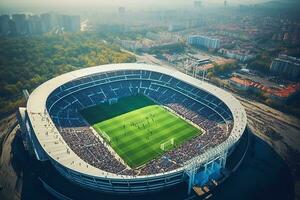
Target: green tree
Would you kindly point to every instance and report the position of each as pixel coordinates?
(26, 62)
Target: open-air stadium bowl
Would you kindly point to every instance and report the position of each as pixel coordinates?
(48, 144)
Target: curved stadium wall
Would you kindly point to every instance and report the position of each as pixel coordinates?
(52, 109)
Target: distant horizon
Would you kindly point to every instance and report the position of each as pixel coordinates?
(116, 3)
(68, 6)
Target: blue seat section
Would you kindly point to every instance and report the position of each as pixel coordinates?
(98, 88)
(198, 106)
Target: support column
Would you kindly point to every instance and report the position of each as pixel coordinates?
(224, 159)
(191, 180)
(205, 168)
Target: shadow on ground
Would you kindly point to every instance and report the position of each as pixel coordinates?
(262, 175)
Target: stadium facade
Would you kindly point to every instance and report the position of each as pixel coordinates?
(53, 107)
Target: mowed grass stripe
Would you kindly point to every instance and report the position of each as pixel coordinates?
(119, 123)
(112, 124)
(134, 147)
(152, 108)
(134, 116)
(140, 153)
(143, 145)
(161, 135)
(156, 131)
(131, 149)
(104, 111)
(137, 139)
(141, 156)
(118, 132)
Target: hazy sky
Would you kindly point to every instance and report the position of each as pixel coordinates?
(135, 3)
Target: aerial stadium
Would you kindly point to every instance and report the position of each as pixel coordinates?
(132, 128)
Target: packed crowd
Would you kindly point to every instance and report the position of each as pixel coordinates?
(89, 148)
(214, 135)
(92, 150)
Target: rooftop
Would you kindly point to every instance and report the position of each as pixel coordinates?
(289, 59)
(57, 149)
(283, 92)
(240, 81)
(287, 91)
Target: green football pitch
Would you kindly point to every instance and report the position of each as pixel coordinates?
(135, 127)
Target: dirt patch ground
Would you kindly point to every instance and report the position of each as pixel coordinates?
(280, 130)
(11, 179)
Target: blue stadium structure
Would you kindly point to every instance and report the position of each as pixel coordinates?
(54, 130)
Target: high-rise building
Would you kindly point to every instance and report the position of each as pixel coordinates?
(4, 25)
(176, 27)
(203, 41)
(46, 22)
(34, 25)
(56, 21)
(197, 4)
(238, 54)
(12, 28)
(121, 10)
(225, 3)
(71, 23)
(286, 65)
(21, 23)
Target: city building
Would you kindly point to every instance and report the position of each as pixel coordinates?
(287, 66)
(163, 37)
(136, 44)
(130, 44)
(285, 93)
(278, 94)
(203, 41)
(121, 10)
(176, 27)
(225, 3)
(46, 22)
(241, 55)
(34, 25)
(71, 23)
(21, 23)
(4, 25)
(198, 4)
(240, 84)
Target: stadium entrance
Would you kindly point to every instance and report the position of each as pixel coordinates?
(207, 176)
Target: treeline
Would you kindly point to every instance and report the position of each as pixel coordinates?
(168, 48)
(262, 62)
(222, 69)
(27, 62)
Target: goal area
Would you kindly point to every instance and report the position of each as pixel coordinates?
(112, 101)
(167, 145)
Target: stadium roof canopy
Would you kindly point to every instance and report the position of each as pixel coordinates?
(55, 146)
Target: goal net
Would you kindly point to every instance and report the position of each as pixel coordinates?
(167, 145)
(112, 101)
